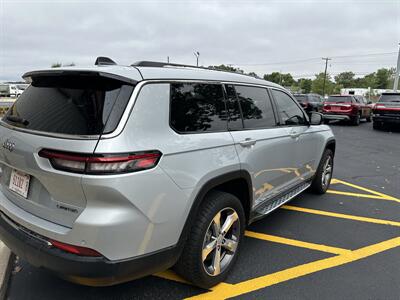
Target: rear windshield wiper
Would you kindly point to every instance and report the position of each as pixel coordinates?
(16, 119)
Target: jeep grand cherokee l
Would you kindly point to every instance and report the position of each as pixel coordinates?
(110, 173)
(387, 110)
(348, 108)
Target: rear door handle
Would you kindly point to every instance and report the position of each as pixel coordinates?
(248, 142)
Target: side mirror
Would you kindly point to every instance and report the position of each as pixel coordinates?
(316, 118)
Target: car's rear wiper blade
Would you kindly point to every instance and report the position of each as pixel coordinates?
(16, 119)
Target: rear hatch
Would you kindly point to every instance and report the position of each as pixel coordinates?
(338, 104)
(66, 111)
(388, 105)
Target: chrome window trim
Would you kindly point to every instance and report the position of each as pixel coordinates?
(125, 116)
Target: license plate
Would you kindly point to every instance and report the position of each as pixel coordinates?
(19, 183)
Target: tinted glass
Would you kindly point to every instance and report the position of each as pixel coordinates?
(389, 98)
(288, 110)
(235, 117)
(197, 107)
(78, 105)
(339, 99)
(256, 107)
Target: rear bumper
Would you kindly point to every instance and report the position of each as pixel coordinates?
(386, 119)
(330, 116)
(92, 271)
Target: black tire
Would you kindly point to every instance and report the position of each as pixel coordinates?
(356, 120)
(318, 186)
(377, 125)
(190, 264)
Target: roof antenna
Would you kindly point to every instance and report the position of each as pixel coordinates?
(104, 61)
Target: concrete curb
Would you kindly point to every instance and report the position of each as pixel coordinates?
(6, 263)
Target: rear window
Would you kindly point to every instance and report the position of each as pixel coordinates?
(76, 105)
(197, 107)
(301, 98)
(339, 99)
(389, 98)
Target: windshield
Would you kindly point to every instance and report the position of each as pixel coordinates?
(301, 98)
(339, 99)
(78, 105)
(389, 98)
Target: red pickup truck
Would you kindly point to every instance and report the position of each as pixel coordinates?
(349, 108)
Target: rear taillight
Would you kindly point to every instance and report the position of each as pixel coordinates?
(81, 251)
(101, 163)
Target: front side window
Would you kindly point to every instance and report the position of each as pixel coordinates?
(288, 110)
(256, 107)
(197, 107)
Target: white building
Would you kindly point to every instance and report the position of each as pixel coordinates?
(363, 91)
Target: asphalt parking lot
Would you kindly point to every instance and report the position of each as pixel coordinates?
(342, 245)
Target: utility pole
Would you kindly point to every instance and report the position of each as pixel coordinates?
(326, 67)
(167, 59)
(397, 74)
(197, 54)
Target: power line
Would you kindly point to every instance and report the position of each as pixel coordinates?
(311, 59)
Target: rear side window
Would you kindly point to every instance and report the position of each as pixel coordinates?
(76, 105)
(289, 111)
(197, 107)
(256, 107)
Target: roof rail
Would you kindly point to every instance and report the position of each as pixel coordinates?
(104, 61)
(147, 63)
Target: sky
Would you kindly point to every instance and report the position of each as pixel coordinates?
(257, 36)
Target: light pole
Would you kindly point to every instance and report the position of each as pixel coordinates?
(397, 74)
(197, 54)
(326, 67)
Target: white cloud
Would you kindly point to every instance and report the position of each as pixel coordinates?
(35, 34)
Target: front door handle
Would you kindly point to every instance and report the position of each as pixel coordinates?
(248, 142)
(294, 134)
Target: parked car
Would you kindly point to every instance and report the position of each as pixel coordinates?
(5, 90)
(310, 102)
(20, 88)
(110, 173)
(386, 110)
(346, 107)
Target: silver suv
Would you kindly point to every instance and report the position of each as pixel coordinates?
(110, 173)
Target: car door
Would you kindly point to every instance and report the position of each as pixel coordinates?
(305, 144)
(264, 149)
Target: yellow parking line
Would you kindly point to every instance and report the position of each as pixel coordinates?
(342, 216)
(228, 291)
(296, 243)
(170, 275)
(361, 195)
(381, 195)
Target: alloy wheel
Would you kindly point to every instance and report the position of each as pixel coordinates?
(221, 241)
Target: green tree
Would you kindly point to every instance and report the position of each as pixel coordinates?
(305, 85)
(383, 78)
(56, 65)
(318, 84)
(227, 68)
(280, 78)
(253, 74)
(346, 79)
